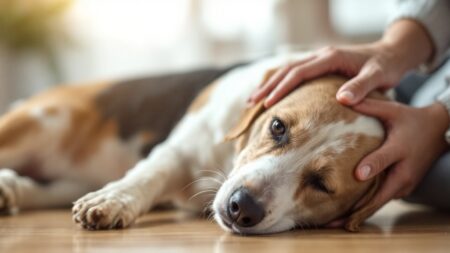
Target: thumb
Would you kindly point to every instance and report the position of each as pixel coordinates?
(356, 89)
(377, 161)
(383, 110)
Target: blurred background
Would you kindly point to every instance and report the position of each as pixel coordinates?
(49, 42)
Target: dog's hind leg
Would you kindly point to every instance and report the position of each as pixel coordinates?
(22, 141)
(16, 135)
(23, 193)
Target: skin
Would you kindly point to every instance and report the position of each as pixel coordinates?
(412, 143)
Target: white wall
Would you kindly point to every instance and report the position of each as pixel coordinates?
(116, 39)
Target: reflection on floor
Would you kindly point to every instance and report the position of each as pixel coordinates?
(397, 227)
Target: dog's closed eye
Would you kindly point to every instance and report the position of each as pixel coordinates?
(317, 182)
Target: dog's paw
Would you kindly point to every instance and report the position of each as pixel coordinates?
(8, 192)
(105, 209)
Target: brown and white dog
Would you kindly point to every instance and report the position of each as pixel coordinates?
(291, 165)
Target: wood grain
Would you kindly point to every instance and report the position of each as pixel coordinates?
(396, 228)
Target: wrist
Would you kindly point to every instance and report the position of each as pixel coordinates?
(439, 118)
(408, 43)
(397, 60)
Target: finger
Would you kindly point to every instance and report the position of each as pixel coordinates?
(279, 75)
(390, 187)
(377, 161)
(298, 74)
(266, 87)
(355, 90)
(384, 110)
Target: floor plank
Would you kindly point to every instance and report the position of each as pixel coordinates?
(396, 228)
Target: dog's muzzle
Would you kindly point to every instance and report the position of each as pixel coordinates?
(242, 210)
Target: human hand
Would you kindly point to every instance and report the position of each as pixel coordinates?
(379, 65)
(371, 66)
(415, 138)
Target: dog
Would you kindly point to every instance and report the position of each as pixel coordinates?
(130, 146)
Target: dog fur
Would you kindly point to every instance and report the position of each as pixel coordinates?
(144, 148)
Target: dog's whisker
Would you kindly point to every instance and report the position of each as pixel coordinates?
(202, 179)
(214, 180)
(211, 188)
(211, 218)
(202, 192)
(218, 166)
(222, 175)
(223, 172)
(208, 205)
(211, 214)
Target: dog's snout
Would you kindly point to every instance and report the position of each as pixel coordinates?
(244, 210)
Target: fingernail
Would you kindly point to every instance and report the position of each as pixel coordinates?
(267, 103)
(346, 95)
(249, 104)
(364, 172)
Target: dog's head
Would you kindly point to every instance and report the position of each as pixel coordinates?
(295, 163)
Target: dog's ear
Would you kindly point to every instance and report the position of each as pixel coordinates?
(246, 120)
(250, 114)
(366, 208)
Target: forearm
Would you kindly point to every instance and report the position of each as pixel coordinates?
(409, 41)
(439, 122)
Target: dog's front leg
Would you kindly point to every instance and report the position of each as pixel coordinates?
(119, 203)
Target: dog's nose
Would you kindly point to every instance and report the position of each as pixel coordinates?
(244, 210)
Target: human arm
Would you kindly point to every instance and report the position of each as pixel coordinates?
(378, 65)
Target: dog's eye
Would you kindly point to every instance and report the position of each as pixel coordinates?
(277, 129)
(317, 183)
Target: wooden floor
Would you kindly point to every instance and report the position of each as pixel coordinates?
(396, 228)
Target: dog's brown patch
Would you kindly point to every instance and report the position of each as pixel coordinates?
(86, 129)
(42, 116)
(21, 121)
(85, 137)
(339, 176)
(14, 126)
